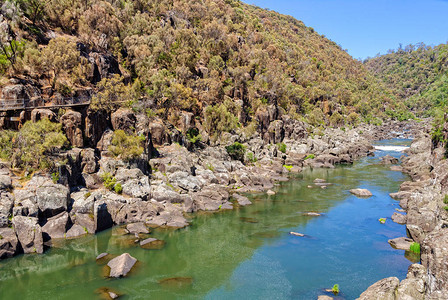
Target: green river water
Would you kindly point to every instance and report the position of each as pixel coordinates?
(246, 253)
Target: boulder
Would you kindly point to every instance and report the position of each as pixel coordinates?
(52, 198)
(134, 183)
(185, 181)
(39, 114)
(121, 265)
(56, 226)
(123, 119)
(8, 243)
(75, 231)
(324, 297)
(137, 228)
(159, 133)
(5, 182)
(361, 192)
(243, 201)
(89, 161)
(399, 218)
(72, 124)
(389, 160)
(6, 206)
(210, 198)
(384, 289)
(29, 234)
(401, 243)
(414, 286)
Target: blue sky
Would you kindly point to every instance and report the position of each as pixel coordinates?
(368, 27)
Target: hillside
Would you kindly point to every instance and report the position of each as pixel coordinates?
(167, 56)
(417, 75)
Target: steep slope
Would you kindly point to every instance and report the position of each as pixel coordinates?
(417, 75)
(179, 55)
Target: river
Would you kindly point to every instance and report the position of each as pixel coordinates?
(246, 253)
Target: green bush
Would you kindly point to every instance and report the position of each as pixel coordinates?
(6, 143)
(236, 151)
(353, 119)
(281, 147)
(288, 167)
(415, 247)
(336, 120)
(220, 118)
(310, 156)
(55, 177)
(118, 188)
(109, 181)
(193, 135)
(36, 144)
(125, 146)
(250, 157)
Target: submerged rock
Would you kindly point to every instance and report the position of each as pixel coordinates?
(270, 192)
(137, 228)
(152, 244)
(243, 201)
(296, 234)
(121, 265)
(389, 160)
(361, 192)
(178, 282)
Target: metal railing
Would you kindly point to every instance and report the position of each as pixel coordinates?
(24, 104)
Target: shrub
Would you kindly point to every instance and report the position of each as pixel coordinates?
(118, 188)
(125, 146)
(415, 247)
(108, 181)
(281, 147)
(55, 177)
(37, 143)
(335, 289)
(250, 157)
(310, 156)
(353, 119)
(316, 117)
(336, 120)
(220, 118)
(6, 143)
(193, 135)
(236, 151)
(288, 167)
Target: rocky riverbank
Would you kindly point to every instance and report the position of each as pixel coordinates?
(424, 201)
(173, 177)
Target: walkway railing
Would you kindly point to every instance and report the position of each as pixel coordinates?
(26, 104)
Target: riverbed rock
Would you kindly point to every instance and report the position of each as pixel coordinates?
(121, 265)
(399, 218)
(402, 243)
(137, 228)
(75, 231)
(56, 226)
(243, 201)
(384, 289)
(29, 234)
(211, 197)
(361, 192)
(6, 208)
(388, 160)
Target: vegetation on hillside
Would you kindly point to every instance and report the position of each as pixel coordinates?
(196, 56)
(417, 75)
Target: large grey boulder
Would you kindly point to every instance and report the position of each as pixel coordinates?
(25, 203)
(134, 183)
(121, 265)
(8, 243)
(210, 198)
(5, 182)
(75, 231)
(137, 228)
(384, 289)
(185, 181)
(361, 192)
(243, 201)
(123, 119)
(399, 218)
(29, 234)
(56, 226)
(52, 198)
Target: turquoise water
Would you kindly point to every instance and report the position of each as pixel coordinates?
(246, 253)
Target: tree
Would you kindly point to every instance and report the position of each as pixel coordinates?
(33, 9)
(112, 94)
(126, 147)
